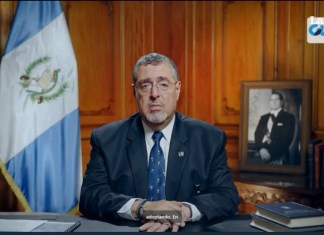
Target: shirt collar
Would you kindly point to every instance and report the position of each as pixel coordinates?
(276, 112)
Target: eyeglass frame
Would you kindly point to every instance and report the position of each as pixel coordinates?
(152, 85)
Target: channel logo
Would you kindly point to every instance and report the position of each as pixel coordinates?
(315, 29)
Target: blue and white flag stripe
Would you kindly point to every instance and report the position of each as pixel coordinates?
(48, 12)
(40, 129)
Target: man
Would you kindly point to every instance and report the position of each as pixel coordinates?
(275, 132)
(183, 172)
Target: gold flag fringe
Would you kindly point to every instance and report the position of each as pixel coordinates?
(20, 196)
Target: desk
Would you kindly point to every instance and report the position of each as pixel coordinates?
(236, 223)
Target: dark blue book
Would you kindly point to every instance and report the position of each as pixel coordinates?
(311, 162)
(291, 214)
(322, 169)
(270, 226)
(318, 152)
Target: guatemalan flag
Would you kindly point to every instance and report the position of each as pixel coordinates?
(40, 154)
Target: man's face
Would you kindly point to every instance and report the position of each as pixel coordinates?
(157, 107)
(275, 102)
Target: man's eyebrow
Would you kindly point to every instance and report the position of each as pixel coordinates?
(146, 80)
(161, 78)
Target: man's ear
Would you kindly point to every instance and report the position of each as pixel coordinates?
(133, 88)
(178, 89)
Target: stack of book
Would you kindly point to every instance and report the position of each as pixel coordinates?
(287, 217)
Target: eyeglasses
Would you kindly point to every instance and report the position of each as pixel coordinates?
(145, 87)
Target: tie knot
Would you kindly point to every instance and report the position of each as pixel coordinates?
(157, 136)
(272, 116)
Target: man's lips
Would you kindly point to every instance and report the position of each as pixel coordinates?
(155, 106)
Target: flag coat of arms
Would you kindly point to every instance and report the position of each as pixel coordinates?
(40, 154)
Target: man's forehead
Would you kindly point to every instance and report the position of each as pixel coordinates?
(160, 71)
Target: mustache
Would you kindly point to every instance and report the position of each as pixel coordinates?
(155, 103)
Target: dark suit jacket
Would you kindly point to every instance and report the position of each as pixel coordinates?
(117, 170)
(281, 135)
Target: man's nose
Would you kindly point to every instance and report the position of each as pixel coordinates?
(155, 92)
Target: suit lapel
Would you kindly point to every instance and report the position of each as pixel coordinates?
(178, 156)
(137, 157)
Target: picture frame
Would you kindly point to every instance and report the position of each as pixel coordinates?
(283, 149)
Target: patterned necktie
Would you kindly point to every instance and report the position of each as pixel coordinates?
(156, 170)
(272, 117)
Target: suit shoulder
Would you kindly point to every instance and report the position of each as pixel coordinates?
(194, 125)
(287, 113)
(265, 116)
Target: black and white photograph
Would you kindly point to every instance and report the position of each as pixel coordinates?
(272, 126)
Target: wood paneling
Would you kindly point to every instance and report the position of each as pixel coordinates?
(7, 11)
(215, 44)
(239, 59)
(93, 49)
(202, 62)
(319, 81)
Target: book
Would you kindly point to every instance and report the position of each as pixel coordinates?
(311, 162)
(56, 226)
(270, 226)
(318, 152)
(24, 225)
(290, 214)
(322, 170)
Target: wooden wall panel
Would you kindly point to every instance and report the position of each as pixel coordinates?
(187, 80)
(203, 55)
(297, 38)
(93, 43)
(270, 41)
(319, 108)
(215, 44)
(7, 11)
(295, 55)
(241, 57)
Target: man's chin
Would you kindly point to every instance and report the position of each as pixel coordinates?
(156, 117)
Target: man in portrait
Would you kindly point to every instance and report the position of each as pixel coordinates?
(275, 132)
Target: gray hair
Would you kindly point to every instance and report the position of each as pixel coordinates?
(155, 59)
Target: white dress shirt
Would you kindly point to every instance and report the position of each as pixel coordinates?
(125, 211)
(270, 122)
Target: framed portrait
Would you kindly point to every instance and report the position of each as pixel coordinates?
(275, 126)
